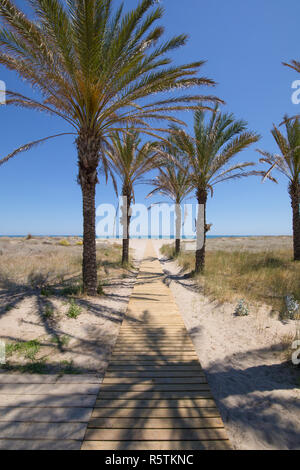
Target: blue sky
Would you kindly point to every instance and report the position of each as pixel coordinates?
(244, 43)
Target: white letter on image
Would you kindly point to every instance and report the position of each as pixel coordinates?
(2, 92)
(106, 227)
(296, 94)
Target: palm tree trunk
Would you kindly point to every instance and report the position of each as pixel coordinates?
(178, 227)
(88, 147)
(294, 191)
(125, 254)
(200, 251)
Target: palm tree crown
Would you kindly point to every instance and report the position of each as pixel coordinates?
(288, 164)
(92, 66)
(209, 151)
(130, 160)
(173, 181)
(213, 146)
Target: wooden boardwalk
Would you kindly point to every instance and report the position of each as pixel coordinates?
(154, 395)
(45, 412)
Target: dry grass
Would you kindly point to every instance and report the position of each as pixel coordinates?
(42, 262)
(41, 284)
(286, 342)
(263, 277)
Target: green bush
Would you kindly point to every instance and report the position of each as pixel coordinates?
(74, 310)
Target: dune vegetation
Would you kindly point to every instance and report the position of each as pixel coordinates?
(263, 276)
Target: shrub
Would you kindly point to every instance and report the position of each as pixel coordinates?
(49, 312)
(61, 340)
(46, 291)
(72, 289)
(74, 310)
(64, 243)
(292, 307)
(29, 349)
(242, 309)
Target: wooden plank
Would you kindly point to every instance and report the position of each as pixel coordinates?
(168, 348)
(157, 445)
(156, 423)
(156, 362)
(158, 333)
(46, 415)
(155, 351)
(107, 388)
(15, 430)
(184, 376)
(43, 389)
(211, 412)
(133, 356)
(153, 381)
(156, 403)
(159, 369)
(159, 338)
(153, 347)
(106, 434)
(157, 343)
(136, 327)
(155, 395)
(154, 339)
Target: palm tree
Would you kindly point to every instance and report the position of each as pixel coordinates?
(92, 67)
(173, 182)
(288, 163)
(130, 161)
(213, 146)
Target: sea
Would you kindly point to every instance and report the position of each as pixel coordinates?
(141, 237)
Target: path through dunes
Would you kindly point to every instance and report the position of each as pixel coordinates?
(154, 394)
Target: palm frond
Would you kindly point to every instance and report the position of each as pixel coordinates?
(31, 145)
(288, 161)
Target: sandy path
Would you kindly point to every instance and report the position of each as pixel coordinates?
(255, 391)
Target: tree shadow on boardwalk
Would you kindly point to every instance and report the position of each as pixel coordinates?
(150, 397)
(238, 394)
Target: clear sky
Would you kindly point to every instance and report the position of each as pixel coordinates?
(244, 43)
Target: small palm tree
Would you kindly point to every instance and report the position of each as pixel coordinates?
(208, 152)
(92, 67)
(130, 161)
(173, 182)
(288, 163)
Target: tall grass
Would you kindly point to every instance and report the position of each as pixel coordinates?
(264, 277)
(39, 264)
